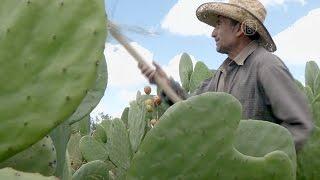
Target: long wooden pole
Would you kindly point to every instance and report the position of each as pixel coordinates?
(161, 82)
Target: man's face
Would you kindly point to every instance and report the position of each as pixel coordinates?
(224, 34)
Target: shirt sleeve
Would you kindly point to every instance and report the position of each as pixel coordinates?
(287, 102)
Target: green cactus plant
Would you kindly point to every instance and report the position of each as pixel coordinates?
(92, 171)
(258, 138)
(38, 158)
(124, 116)
(75, 155)
(185, 70)
(92, 150)
(308, 163)
(119, 144)
(199, 74)
(317, 85)
(195, 141)
(49, 49)
(60, 137)
(311, 72)
(100, 134)
(9, 173)
(94, 95)
(136, 124)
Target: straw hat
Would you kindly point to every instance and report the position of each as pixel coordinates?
(251, 12)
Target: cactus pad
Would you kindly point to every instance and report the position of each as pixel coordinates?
(185, 70)
(307, 159)
(194, 140)
(258, 138)
(9, 173)
(100, 134)
(136, 124)
(92, 149)
(118, 144)
(94, 95)
(48, 56)
(40, 158)
(200, 73)
(74, 151)
(92, 171)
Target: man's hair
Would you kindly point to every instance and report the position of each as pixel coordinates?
(254, 36)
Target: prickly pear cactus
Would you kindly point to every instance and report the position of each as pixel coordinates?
(124, 116)
(258, 138)
(9, 173)
(311, 72)
(38, 158)
(317, 85)
(200, 73)
(92, 171)
(94, 95)
(50, 51)
(308, 163)
(185, 70)
(74, 151)
(136, 124)
(92, 150)
(84, 125)
(100, 134)
(195, 141)
(119, 145)
(60, 137)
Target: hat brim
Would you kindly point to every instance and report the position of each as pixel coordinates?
(209, 12)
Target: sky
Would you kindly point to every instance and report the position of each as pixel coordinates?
(173, 29)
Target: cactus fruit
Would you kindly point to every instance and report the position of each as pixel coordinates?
(9, 173)
(40, 158)
(49, 49)
(92, 170)
(93, 95)
(200, 73)
(156, 100)
(92, 150)
(149, 108)
(185, 70)
(147, 90)
(195, 141)
(148, 102)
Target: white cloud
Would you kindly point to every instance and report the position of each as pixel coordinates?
(299, 43)
(122, 68)
(181, 18)
(281, 2)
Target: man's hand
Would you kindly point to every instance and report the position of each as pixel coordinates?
(149, 73)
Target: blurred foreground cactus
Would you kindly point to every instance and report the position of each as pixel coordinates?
(50, 51)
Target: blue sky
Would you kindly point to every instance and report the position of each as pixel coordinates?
(293, 24)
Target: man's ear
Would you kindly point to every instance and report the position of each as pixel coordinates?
(238, 29)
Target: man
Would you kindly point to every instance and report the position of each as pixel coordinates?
(251, 73)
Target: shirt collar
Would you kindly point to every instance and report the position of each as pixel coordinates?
(245, 52)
